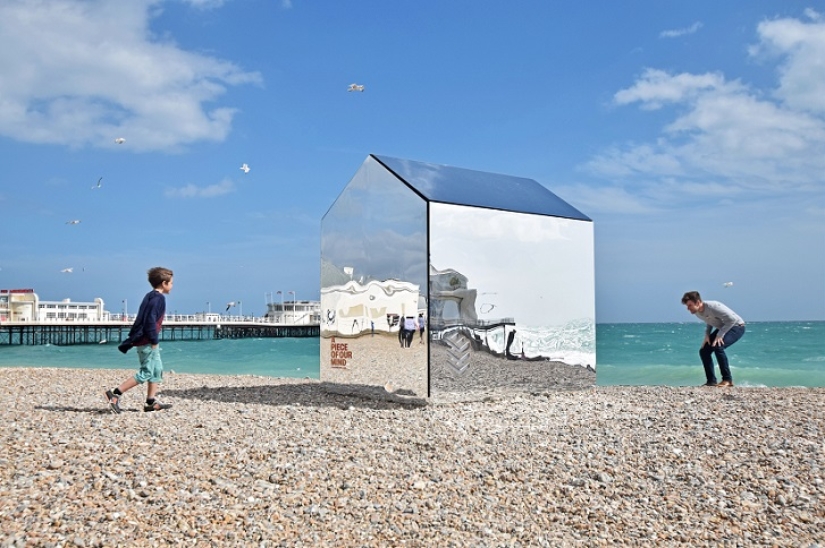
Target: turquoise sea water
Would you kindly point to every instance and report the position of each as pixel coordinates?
(770, 354)
(271, 357)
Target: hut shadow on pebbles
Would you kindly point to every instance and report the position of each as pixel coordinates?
(313, 394)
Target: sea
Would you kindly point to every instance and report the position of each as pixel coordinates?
(667, 354)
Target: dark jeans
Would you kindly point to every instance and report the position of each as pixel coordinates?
(705, 352)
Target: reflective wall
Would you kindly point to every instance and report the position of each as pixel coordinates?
(511, 300)
(373, 282)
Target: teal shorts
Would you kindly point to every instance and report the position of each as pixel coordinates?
(151, 368)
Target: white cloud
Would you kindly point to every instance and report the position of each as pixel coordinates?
(802, 48)
(78, 73)
(635, 159)
(592, 200)
(680, 32)
(657, 87)
(205, 4)
(726, 139)
(193, 191)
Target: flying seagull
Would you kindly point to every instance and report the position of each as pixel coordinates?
(75, 222)
(68, 270)
(230, 305)
(245, 168)
(355, 87)
(727, 284)
(98, 183)
(120, 140)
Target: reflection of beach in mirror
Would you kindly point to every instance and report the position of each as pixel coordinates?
(376, 360)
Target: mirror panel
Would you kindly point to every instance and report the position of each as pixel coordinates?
(511, 300)
(373, 282)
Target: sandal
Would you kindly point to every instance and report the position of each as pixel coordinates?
(114, 402)
(157, 406)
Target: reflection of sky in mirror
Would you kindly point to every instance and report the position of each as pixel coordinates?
(453, 185)
(377, 226)
(536, 269)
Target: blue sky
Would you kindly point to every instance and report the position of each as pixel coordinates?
(692, 133)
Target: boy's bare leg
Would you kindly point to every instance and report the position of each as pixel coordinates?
(151, 390)
(127, 385)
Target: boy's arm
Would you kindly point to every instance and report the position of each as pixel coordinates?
(150, 324)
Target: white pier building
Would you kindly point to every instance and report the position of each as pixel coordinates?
(23, 305)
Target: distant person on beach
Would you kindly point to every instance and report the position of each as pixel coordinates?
(401, 335)
(510, 338)
(144, 336)
(421, 329)
(724, 327)
(410, 327)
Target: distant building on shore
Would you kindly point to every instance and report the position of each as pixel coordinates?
(23, 305)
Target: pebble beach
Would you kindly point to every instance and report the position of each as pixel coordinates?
(259, 461)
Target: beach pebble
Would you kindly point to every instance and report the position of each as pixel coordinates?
(256, 461)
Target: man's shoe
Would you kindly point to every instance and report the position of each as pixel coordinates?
(708, 384)
(725, 383)
(114, 402)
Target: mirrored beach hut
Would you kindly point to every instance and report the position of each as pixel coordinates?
(438, 280)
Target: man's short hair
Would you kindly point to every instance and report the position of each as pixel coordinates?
(691, 296)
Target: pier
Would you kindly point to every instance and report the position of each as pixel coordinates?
(68, 333)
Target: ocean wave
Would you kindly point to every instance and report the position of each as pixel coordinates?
(573, 343)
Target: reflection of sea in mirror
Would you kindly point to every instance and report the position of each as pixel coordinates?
(572, 343)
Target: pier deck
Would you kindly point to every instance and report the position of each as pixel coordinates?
(68, 333)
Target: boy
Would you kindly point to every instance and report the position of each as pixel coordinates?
(144, 335)
(724, 327)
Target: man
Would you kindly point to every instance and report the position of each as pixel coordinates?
(724, 327)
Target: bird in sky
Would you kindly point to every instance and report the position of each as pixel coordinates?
(68, 270)
(120, 140)
(99, 182)
(230, 305)
(245, 168)
(355, 87)
(727, 284)
(74, 222)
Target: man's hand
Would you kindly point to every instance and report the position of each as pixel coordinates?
(718, 341)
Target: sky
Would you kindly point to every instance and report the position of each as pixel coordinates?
(692, 133)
